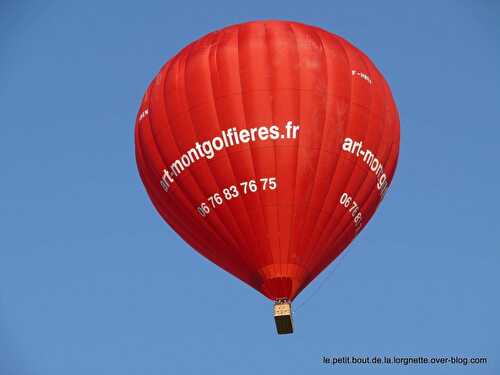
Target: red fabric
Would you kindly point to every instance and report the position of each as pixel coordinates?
(262, 74)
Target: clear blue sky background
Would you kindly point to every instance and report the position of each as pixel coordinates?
(93, 282)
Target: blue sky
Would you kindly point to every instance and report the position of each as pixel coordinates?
(93, 282)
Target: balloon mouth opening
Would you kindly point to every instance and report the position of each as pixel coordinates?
(278, 288)
(282, 285)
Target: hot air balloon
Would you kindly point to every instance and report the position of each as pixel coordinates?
(268, 146)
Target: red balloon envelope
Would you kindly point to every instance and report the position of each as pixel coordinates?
(267, 146)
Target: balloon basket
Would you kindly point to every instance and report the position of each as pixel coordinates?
(283, 317)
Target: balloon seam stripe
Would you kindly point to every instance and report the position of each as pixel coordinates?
(323, 141)
(358, 161)
(208, 103)
(337, 162)
(238, 36)
(237, 243)
(215, 109)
